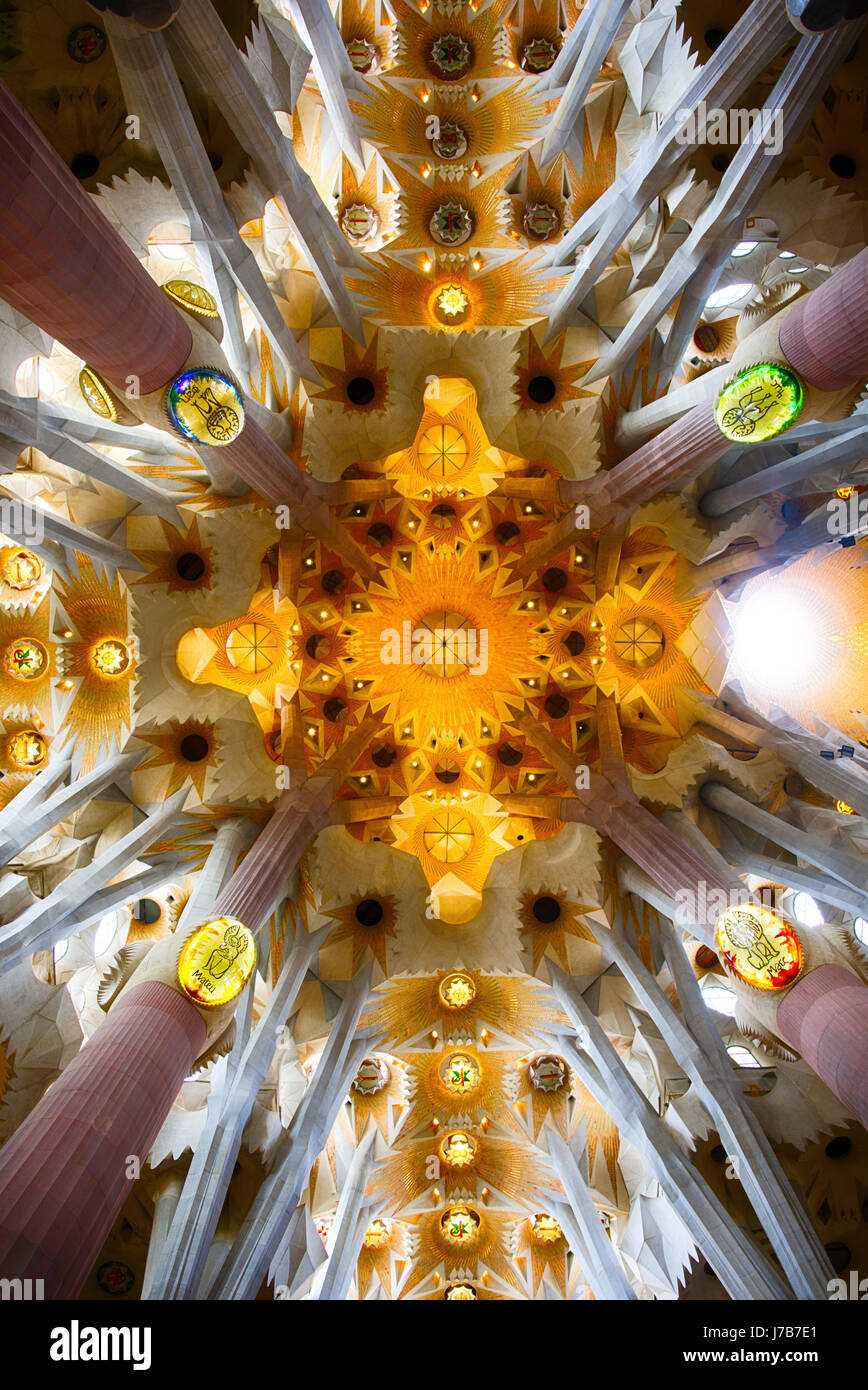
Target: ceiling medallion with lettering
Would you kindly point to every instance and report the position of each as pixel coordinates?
(27, 749)
(539, 55)
(457, 990)
(21, 569)
(98, 396)
(377, 1234)
(762, 401)
(451, 141)
(451, 305)
(359, 223)
(25, 659)
(86, 43)
(451, 56)
(545, 1229)
(362, 54)
(451, 224)
(460, 1224)
(217, 961)
(548, 1073)
(460, 1074)
(458, 1150)
(761, 948)
(461, 1293)
(373, 1076)
(205, 405)
(540, 221)
(110, 658)
(192, 297)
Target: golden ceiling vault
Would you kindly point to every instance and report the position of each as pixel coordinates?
(433, 634)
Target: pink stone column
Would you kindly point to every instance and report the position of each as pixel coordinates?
(825, 1018)
(63, 1173)
(64, 266)
(825, 335)
(670, 863)
(668, 460)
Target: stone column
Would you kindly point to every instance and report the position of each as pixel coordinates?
(64, 266)
(64, 1173)
(824, 1016)
(825, 335)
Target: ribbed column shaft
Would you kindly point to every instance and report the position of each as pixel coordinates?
(825, 1018)
(63, 1174)
(64, 266)
(825, 335)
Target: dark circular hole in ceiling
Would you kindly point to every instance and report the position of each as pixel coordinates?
(506, 531)
(360, 390)
(318, 646)
(194, 748)
(509, 755)
(334, 582)
(216, 161)
(541, 389)
(842, 166)
(557, 705)
(446, 774)
(555, 579)
(705, 958)
(714, 38)
(384, 756)
(190, 565)
(147, 911)
(839, 1147)
(334, 709)
(718, 1154)
(84, 166)
(546, 910)
(574, 643)
(721, 163)
(839, 1255)
(380, 533)
(369, 912)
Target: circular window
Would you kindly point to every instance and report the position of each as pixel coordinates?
(456, 991)
(839, 1147)
(541, 390)
(252, 647)
(84, 166)
(189, 566)
(194, 747)
(360, 390)
(546, 910)
(448, 837)
(842, 166)
(110, 658)
(639, 643)
(443, 451)
(369, 912)
(25, 659)
(380, 533)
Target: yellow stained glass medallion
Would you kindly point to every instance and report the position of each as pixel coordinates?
(545, 1229)
(27, 749)
(759, 947)
(25, 659)
(216, 961)
(460, 1074)
(457, 990)
(458, 1150)
(377, 1234)
(21, 569)
(460, 1225)
(110, 658)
